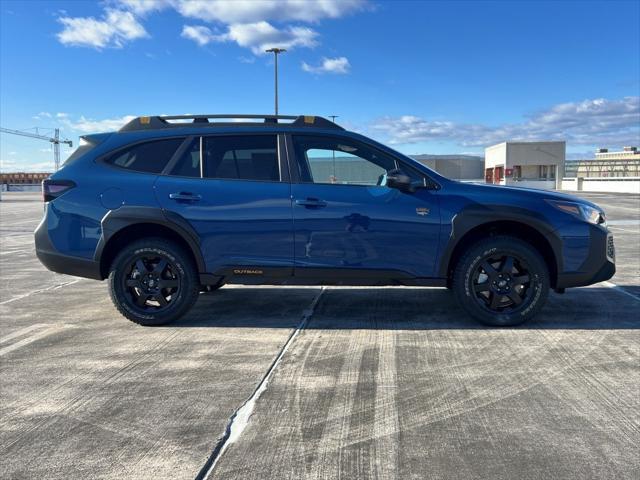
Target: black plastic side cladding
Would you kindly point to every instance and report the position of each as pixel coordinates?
(115, 220)
(467, 220)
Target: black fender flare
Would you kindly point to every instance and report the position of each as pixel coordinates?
(478, 215)
(123, 217)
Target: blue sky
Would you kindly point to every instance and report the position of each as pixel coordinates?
(427, 77)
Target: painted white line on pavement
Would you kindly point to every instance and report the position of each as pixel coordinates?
(618, 288)
(624, 229)
(31, 339)
(53, 287)
(23, 332)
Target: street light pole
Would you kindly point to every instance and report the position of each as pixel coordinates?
(275, 52)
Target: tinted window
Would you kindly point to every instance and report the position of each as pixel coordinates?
(146, 157)
(340, 161)
(189, 163)
(247, 157)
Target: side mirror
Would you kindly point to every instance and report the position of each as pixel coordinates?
(398, 179)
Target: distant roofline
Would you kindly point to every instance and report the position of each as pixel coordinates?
(525, 143)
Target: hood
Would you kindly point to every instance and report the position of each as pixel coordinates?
(511, 193)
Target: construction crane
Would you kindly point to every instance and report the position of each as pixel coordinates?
(55, 140)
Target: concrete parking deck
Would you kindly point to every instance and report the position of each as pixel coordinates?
(374, 382)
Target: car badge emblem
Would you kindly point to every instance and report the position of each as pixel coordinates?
(422, 211)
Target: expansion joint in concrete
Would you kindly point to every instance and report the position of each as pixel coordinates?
(240, 418)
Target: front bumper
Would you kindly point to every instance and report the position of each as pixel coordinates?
(599, 264)
(59, 262)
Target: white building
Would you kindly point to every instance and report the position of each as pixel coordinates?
(525, 164)
(627, 153)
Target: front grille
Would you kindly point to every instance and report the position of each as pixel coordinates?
(611, 250)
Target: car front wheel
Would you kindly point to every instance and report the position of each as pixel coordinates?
(153, 282)
(501, 281)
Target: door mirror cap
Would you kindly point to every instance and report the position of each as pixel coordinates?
(400, 180)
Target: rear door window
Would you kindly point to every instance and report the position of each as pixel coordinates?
(149, 157)
(246, 157)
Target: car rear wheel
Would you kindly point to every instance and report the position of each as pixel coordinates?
(153, 282)
(501, 281)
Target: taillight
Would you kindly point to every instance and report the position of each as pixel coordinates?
(52, 189)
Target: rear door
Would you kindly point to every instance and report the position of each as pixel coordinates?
(346, 218)
(234, 190)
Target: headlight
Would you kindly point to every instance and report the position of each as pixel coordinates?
(585, 212)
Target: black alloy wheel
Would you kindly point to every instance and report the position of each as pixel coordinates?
(502, 282)
(153, 281)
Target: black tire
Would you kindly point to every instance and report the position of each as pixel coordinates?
(501, 281)
(153, 282)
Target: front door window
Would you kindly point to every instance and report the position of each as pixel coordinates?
(326, 160)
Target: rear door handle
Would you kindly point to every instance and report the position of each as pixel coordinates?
(311, 203)
(185, 197)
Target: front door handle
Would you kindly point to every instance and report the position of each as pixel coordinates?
(311, 203)
(185, 197)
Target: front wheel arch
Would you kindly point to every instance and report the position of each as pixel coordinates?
(511, 228)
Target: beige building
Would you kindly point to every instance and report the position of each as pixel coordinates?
(456, 167)
(525, 164)
(627, 153)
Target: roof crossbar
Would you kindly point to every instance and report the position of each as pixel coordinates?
(172, 121)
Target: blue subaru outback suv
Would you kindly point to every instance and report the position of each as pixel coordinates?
(171, 206)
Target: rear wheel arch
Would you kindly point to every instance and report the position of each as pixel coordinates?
(513, 228)
(119, 231)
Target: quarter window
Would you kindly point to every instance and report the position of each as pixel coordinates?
(149, 157)
(189, 163)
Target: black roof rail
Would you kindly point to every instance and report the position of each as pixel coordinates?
(172, 121)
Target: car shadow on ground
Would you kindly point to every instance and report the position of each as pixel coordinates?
(391, 308)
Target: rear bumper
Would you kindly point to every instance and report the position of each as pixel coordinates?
(60, 263)
(599, 264)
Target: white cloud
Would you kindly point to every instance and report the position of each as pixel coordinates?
(245, 22)
(116, 28)
(142, 7)
(248, 11)
(338, 65)
(257, 36)
(87, 125)
(590, 122)
(200, 34)
(262, 35)
(41, 115)
(252, 11)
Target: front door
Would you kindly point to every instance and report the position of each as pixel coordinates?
(346, 218)
(235, 193)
